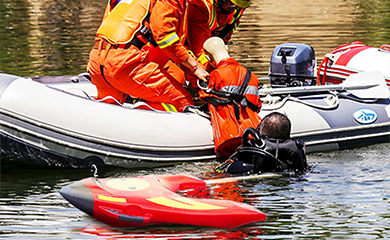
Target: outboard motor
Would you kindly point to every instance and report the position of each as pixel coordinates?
(293, 64)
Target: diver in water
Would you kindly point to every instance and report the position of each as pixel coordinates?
(269, 148)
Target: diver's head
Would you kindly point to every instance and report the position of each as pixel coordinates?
(275, 125)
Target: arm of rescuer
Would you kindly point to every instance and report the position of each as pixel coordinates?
(198, 33)
(165, 23)
(198, 26)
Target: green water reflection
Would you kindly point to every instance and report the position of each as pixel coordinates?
(54, 37)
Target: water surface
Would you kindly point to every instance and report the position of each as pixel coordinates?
(345, 196)
(55, 37)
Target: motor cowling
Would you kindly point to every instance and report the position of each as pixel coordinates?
(293, 64)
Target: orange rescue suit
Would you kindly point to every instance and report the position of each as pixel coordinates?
(205, 20)
(227, 126)
(119, 66)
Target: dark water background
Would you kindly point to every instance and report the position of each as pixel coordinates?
(54, 37)
(345, 196)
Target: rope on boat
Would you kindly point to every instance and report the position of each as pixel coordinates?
(109, 97)
(332, 100)
(131, 106)
(359, 99)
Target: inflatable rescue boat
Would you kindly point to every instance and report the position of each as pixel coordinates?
(55, 121)
(151, 200)
(353, 58)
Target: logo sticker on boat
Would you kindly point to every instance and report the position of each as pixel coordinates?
(365, 116)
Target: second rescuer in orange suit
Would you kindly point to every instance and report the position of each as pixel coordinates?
(121, 65)
(209, 18)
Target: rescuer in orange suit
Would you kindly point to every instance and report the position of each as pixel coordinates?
(137, 49)
(232, 94)
(209, 18)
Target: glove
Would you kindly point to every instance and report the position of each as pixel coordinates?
(223, 168)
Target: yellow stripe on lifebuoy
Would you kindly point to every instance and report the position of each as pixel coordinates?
(111, 199)
(184, 203)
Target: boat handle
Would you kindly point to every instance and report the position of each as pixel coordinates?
(134, 219)
(130, 218)
(385, 47)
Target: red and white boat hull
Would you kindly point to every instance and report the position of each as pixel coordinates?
(354, 58)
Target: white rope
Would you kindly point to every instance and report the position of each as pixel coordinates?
(109, 98)
(332, 100)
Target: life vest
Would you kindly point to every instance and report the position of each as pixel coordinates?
(127, 21)
(124, 19)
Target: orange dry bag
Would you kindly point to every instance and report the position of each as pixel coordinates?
(228, 129)
(231, 113)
